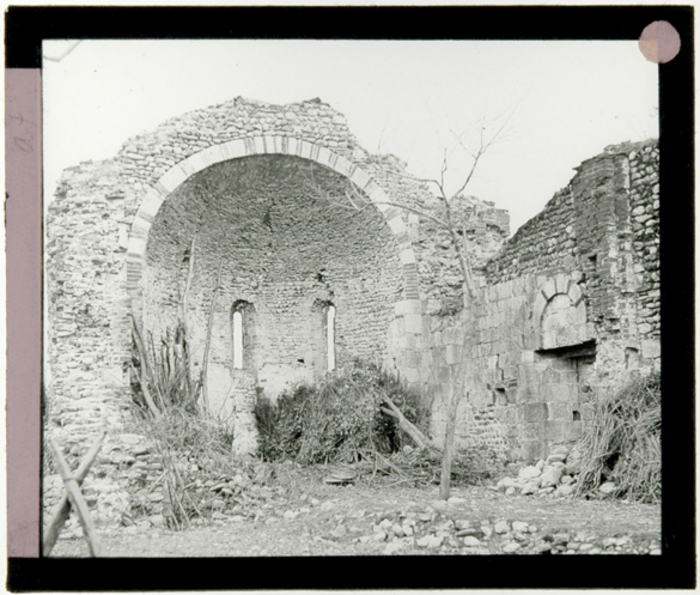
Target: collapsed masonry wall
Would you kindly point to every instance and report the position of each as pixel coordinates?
(360, 262)
(570, 304)
(87, 349)
(644, 213)
(486, 227)
(570, 310)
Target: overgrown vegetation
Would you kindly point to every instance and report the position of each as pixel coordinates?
(343, 420)
(337, 420)
(199, 475)
(193, 448)
(623, 443)
(161, 377)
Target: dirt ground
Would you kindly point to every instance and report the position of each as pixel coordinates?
(303, 516)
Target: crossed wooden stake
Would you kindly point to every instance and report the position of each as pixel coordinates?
(73, 498)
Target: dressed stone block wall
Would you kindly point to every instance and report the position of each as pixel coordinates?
(569, 307)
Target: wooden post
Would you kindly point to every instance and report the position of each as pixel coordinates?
(62, 509)
(77, 501)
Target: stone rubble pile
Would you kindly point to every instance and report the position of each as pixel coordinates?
(450, 527)
(209, 493)
(557, 475)
(123, 462)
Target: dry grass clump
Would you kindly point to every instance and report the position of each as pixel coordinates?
(623, 443)
(200, 476)
(337, 420)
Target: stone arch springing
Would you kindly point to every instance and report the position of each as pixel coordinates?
(156, 195)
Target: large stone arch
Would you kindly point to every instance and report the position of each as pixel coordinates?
(157, 194)
(401, 336)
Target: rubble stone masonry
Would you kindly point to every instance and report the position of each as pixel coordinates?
(291, 215)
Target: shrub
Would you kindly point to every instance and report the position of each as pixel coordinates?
(338, 419)
(623, 443)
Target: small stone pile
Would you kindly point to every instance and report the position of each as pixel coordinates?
(557, 475)
(450, 527)
(208, 492)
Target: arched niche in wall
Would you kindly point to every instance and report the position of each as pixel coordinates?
(560, 314)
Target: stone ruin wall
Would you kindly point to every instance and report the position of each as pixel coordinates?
(98, 216)
(610, 211)
(570, 310)
(285, 255)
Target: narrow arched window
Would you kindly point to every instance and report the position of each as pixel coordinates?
(242, 333)
(330, 337)
(237, 340)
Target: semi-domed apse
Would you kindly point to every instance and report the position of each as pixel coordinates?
(269, 257)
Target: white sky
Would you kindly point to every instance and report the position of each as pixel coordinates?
(565, 101)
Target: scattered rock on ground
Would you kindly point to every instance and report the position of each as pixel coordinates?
(501, 527)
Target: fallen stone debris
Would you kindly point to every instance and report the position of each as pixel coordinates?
(556, 476)
(297, 512)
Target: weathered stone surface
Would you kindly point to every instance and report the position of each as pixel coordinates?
(582, 275)
(550, 476)
(564, 490)
(607, 488)
(471, 541)
(520, 527)
(501, 527)
(529, 488)
(529, 473)
(430, 541)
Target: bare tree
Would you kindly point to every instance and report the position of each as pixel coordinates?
(453, 215)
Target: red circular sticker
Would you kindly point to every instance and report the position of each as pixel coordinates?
(660, 42)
